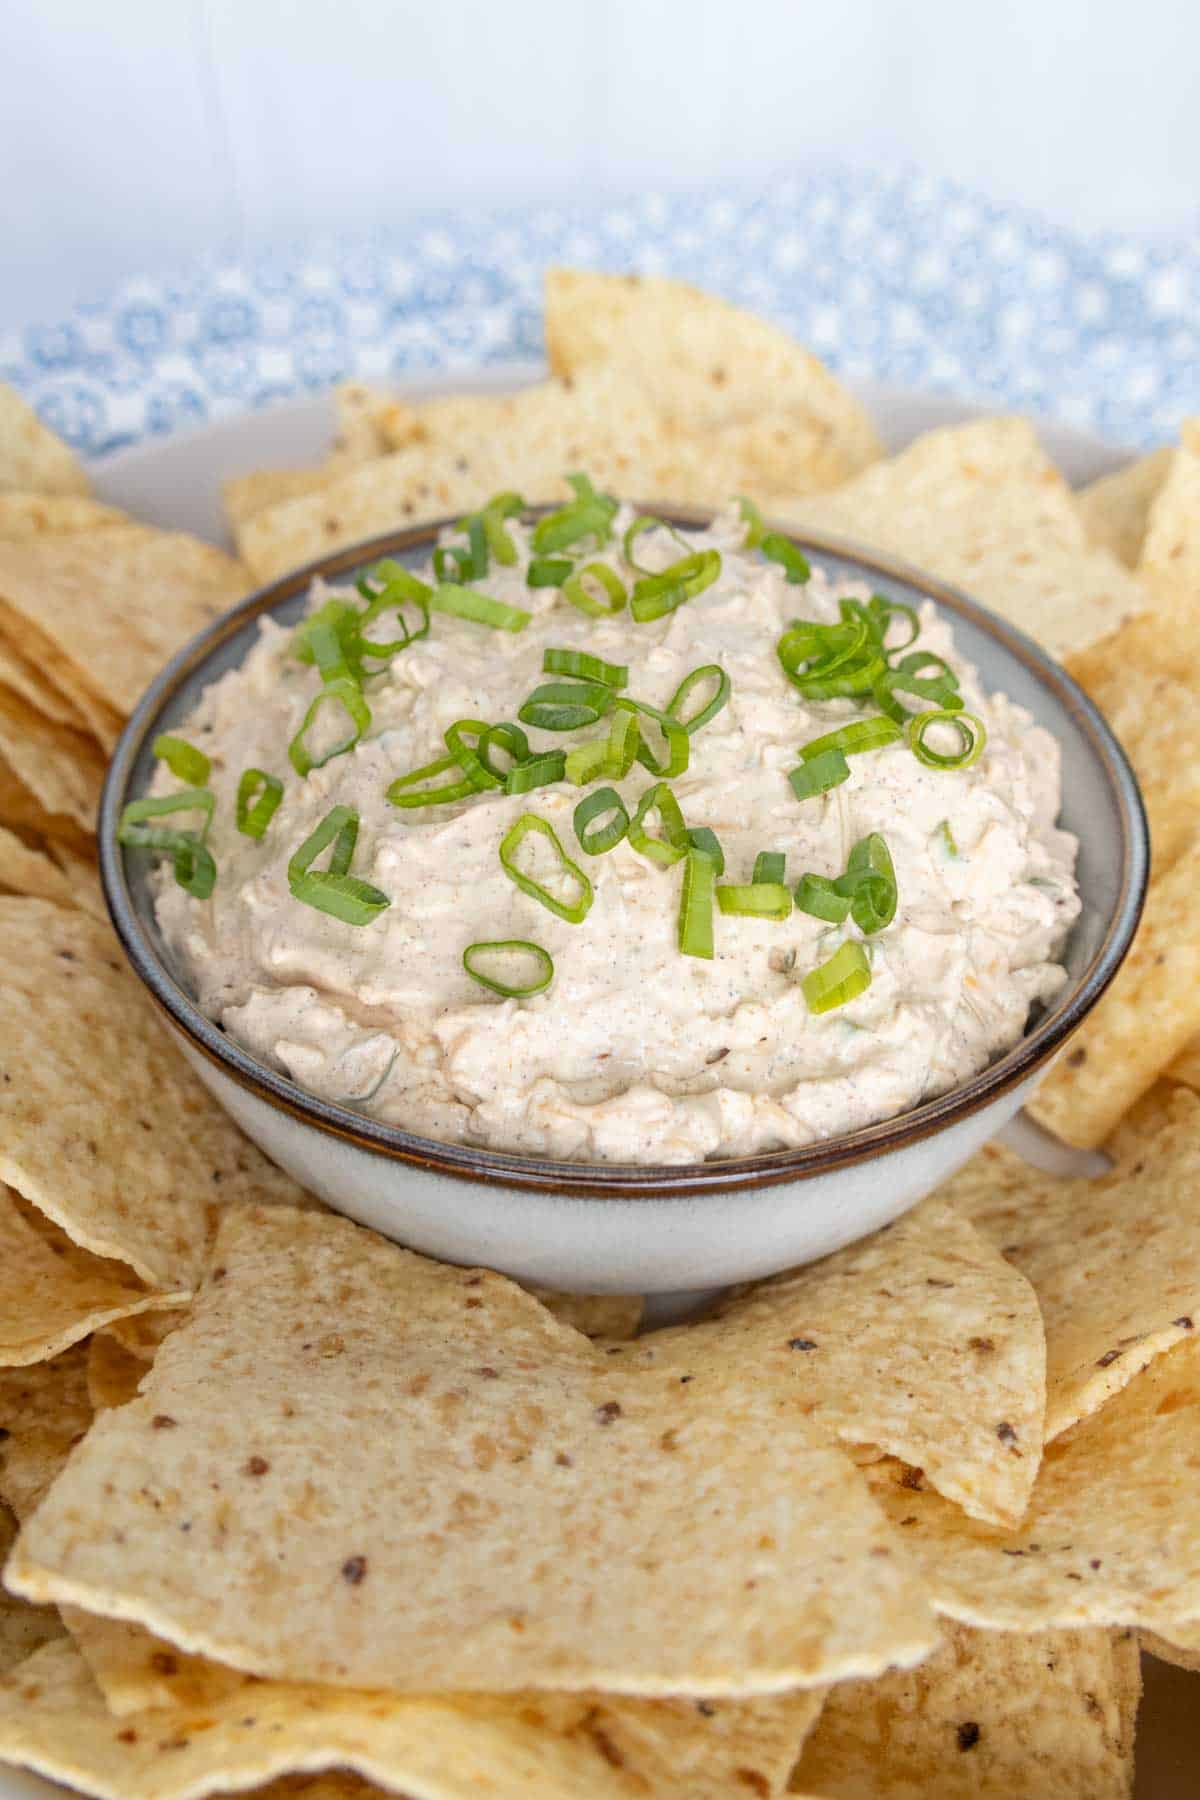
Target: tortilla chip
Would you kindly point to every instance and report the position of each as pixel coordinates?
(1186, 1066)
(615, 1316)
(369, 424)
(920, 1341)
(243, 496)
(1112, 1535)
(594, 1527)
(1158, 723)
(20, 811)
(102, 1124)
(34, 515)
(1115, 1261)
(982, 505)
(61, 769)
(1183, 1649)
(33, 684)
(44, 1412)
(117, 605)
(83, 877)
(990, 1716)
(705, 364)
(23, 1628)
(142, 1336)
(52, 1293)
(27, 870)
(32, 459)
(1116, 508)
(360, 411)
(1149, 1014)
(113, 1372)
(445, 1747)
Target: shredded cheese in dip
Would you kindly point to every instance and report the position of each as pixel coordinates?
(634, 1053)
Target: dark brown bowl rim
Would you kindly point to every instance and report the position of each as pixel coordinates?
(626, 1181)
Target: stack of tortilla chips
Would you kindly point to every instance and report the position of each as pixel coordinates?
(285, 1505)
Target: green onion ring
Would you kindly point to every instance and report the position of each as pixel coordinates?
(450, 560)
(673, 844)
(589, 515)
(336, 615)
(575, 591)
(499, 508)
(696, 905)
(510, 738)
(346, 693)
(548, 571)
(587, 762)
(770, 865)
(193, 799)
(468, 603)
(624, 742)
(192, 862)
(509, 990)
(339, 827)
(258, 797)
(852, 739)
(540, 770)
(755, 528)
(972, 735)
(947, 837)
(573, 912)
(777, 548)
(845, 976)
(585, 667)
(645, 522)
(755, 900)
(870, 883)
(818, 774)
(467, 756)
(333, 889)
(705, 839)
(705, 714)
(592, 806)
(404, 793)
(566, 705)
(400, 588)
(654, 596)
(676, 742)
(820, 898)
(185, 762)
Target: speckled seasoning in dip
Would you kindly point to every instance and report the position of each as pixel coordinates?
(632, 1051)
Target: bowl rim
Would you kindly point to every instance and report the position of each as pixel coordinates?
(624, 1181)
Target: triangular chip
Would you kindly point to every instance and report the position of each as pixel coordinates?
(102, 1124)
(919, 1341)
(982, 505)
(1149, 1014)
(592, 1527)
(1115, 508)
(1115, 1261)
(113, 1372)
(23, 1628)
(990, 1716)
(1112, 1535)
(44, 1412)
(615, 1316)
(25, 869)
(60, 768)
(33, 684)
(34, 515)
(32, 459)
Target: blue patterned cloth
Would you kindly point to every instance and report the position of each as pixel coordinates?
(902, 278)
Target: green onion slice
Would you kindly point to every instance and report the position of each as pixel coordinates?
(947, 837)
(673, 844)
(540, 977)
(589, 515)
(575, 911)
(585, 667)
(696, 905)
(587, 762)
(469, 603)
(676, 750)
(258, 797)
(185, 762)
(878, 613)
(576, 591)
(708, 711)
(870, 882)
(509, 738)
(845, 976)
(755, 900)
(645, 522)
(398, 588)
(852, 739)
(451, 560)
(594, 806)
(339, 827)
(654, 596)
(475, 770)
(819, 774)
(406, 793)
(756, 529)
(191, 860)
(705, 839)
(548, 571)
(333, 889)
(613, 756)
(191, 799)
(777, 548)
(972, 736)
(499, 508)
(770, 865)
(542, 770)
(311, 641)
(566, 705)
(821, 898)
(344, 692)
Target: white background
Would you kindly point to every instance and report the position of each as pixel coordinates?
(138, 134)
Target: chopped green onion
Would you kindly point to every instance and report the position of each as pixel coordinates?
(336, 617)
(400, 588)
(947, 837)
(593, 806)
(676, 743)
(334, 890)
(193, 867)
(509, 947)
(467, 756)
(821, 898)
(777, 548)
(404, 791)
(346, 693)
(645, 522)
(704, 714)
(585, 667)
(566, 705)
(818, 774)
(575, 590)
(878, 613)
(574, 912)
(673, 844)
(450, 560)
(499, 508)
(755, 900)
(845, 976)
(755, 528)
(829, 662)
(624, 742)
(192, 862)
(696, 905)
(548, 571)
(866, 892)
(705, 839)
(542, 770)
(258, 797)
(468, 603)
(770, 865)
(511, 739)
(185, 762)
(589, 515)
(192, 799)
(654, 596)
(587, 761)
(972, 736)
(339, 827)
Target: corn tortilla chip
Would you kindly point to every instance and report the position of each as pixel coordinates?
(25, 869)
(102, 1124)
(33, 684)
(61, 769)
(990, 1716)
(23, 1628)
(21, 812)
(1186, 1066)
(1112, 1535)
(1149, 1014)
(1115, 1261)
(142, 1335)
(32, 459)
(369, 424)
(33, 515)
(594, 1527)
(44, 1412)
(80, 871)
(438, 1747)
(919, 1341)
(52, 1293)
(982, 506)
(614, 1316)
(113, 1372)
(1157, 721)
(117, 605)
(706, 364)
(1116, 508)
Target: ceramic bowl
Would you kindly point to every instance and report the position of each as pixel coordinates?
(608, 1228)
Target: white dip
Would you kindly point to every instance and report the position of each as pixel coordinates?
(635, 1053)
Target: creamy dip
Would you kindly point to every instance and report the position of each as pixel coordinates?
(635, 1052)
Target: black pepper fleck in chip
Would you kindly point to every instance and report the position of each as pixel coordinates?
(1185, 1323)
(610, 1410)
(968, 1735)
(1110, 1356)
(1005, 1432)
(802, 1344)
(163, 1422)
(256, 1465)
(706, 1709)
(354, 1569)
